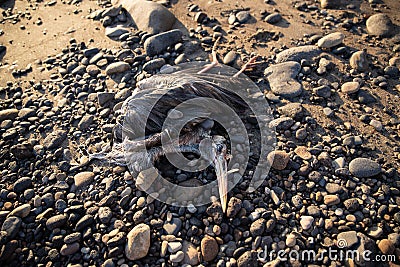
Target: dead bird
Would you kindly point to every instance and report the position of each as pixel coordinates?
(140, 136)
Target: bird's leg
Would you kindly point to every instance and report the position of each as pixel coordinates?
(214, 61)
(246, 66)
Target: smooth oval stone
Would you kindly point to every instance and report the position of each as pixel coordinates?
(364, 168)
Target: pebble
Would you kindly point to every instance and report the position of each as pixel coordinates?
(209, 248)
(331, 40)
(273, 18)
(380, 25)
(117, 67)
(11, 226)
(190, 253)
(331, 200)
(248, 258)
(159, 42)
(376, 124)
(173, 227)
(8, 114)
(350, 87)
(178, 257)
(55, 139)
(386, 246)
(154, 64)
(56, 221)
(303, 152)
(22, 184)
(243, 16)
(364, 168)
(359, 61)
(282, 79)
(281, 123)
(115, 32)
(138, 242)
(278, 159)
(230, 58)
(21, 211)
(69, 249)
(83, 179)
(257, 227)
(234, 206)
(298, 53)
(144, 14)
(306, 222)
(350, 238)
(291, 240)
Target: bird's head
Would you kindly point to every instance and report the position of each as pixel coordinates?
(219, 152)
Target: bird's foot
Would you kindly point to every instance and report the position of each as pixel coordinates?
(249, 65)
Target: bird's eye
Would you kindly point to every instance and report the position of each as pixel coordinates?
(219, 148)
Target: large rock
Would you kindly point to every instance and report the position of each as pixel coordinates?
(282, 79)
(380, 25)
(307, 52)
(138, 242)
(159, 42)
(148, 16)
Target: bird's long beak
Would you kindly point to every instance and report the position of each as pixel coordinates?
(221, 169)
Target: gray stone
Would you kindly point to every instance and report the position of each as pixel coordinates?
(21, 211)
(159, 42)
(331, 40)
(138, 242)
(85, 122)
(115, 32)
(347, 239)
(380, 25)
(69, 249)
(273, 18)
(364, 168)
(55, 139)
(282, 79)
(323, 91)
(282, 123)
(173, 227)
(243, 16)
(306, 52)
(230, 58)
(117, 67)
(84, 222)
(56, 221)
(11, 226)
(154, 64)
(292, 110)
(8, 114)
(22, 184)
(148, 16)
(359, 61)
(83, 179)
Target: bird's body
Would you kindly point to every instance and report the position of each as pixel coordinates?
(141, 136)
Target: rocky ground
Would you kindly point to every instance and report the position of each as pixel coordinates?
(329, 71)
